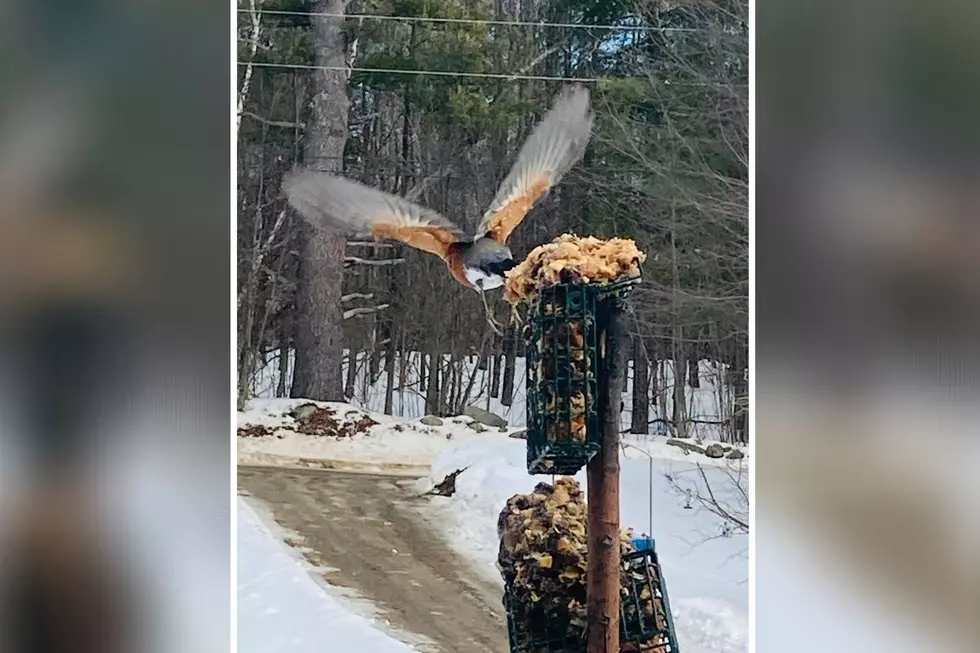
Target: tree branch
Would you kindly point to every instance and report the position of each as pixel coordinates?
(357, 260)
(271, 123)
(357, 295)
(357, 312)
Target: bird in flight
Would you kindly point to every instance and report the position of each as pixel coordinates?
(479, 261)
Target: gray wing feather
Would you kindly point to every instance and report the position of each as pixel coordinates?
(326, 200)
(554, 146)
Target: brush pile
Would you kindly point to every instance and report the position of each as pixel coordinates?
(542, 558)
(570, 259)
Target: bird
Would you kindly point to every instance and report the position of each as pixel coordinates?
(479, 261)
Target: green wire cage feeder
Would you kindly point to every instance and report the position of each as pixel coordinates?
(645, 622)
(565, 340)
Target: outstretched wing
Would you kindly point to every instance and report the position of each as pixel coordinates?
(554, 146)
(326, 200)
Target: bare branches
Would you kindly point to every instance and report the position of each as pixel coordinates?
(369, 243)
(419, 188)
(271, 123)
(359, 312)
(255, 17)
(727, 499)
(357, 295)
(357, 260)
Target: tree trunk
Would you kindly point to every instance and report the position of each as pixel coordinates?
(495, 375)
(351, 374)
(740, 390)
(510, 360)
(653, 366)
(679, 417)
(374, 366)
(449, 390)
(319, 343)
(389, 373)
(640, 417)
(283, 370)
(693, 376)
(432, 387)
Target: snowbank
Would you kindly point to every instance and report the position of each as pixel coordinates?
(705, 570)
(393, 445)
(708, 404)
(281, 608)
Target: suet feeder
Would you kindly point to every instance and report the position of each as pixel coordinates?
(645, 621)
(565, 339)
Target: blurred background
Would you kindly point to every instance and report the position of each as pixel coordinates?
(114, 326)
(868, 298)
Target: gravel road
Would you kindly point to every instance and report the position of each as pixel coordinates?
(366, 531)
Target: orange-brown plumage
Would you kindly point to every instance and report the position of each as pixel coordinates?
(501, 224)
(477, 262)
(457, 266)
(433, 239)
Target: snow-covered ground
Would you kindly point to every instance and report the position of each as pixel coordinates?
(707, 405)
(393, 445)
(706, 571)
(705, 564)
(282, 609)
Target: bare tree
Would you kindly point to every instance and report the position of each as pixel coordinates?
(320, 341)
(726, 498)
(640, 415)
(255, 16)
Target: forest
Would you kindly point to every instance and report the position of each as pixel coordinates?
(432, 99)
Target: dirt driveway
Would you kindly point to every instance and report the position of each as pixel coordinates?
(365, 530)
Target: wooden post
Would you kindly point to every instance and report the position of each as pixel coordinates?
(602, 574)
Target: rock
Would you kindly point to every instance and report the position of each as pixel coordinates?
(519, 435)
(303, 412)
(735, 455)
(431, 420)
(686, 446)
(714, 451)
(485, 417)
(476, 426)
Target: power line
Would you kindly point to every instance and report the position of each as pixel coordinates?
(476, 21)
(457, 73)
(438, 73)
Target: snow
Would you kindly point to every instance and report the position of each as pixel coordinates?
(705, 565)
(394, 445)
(707, 405)
(706, 572)
(281, 608)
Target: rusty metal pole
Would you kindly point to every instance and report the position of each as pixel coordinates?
(602, 575)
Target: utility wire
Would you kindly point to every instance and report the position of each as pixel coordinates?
(440, 73)
(456, 73)
(477, 21)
